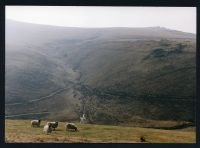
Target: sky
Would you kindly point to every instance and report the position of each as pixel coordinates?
(176, 18)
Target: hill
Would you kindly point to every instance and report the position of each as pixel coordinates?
(114, 75)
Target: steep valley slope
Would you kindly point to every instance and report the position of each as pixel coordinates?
(114, 75)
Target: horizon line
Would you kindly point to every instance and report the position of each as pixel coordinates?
(50, 25)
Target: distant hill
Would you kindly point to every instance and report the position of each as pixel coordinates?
(40, 34)
(117, 74)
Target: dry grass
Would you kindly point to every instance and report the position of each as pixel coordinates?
(20, 131)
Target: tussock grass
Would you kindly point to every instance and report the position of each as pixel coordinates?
(20, 131)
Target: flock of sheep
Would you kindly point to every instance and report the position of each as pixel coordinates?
(50, 126)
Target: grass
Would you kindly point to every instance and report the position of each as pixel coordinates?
(20, 131)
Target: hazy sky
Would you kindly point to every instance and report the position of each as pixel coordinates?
(177, 18)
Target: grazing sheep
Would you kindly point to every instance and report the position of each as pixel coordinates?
(71, 126)
(54, 124)
(47, 128)
(35, 123)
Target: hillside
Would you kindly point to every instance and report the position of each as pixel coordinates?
(119, 75)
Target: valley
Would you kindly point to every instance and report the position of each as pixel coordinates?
(116, 76)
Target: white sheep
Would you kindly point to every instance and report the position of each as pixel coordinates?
(47, 128)
(35, 123)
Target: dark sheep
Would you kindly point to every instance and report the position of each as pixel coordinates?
(53, 124)
(71, 126)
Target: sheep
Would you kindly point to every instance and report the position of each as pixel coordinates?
(35, 123)
(47, 128)
(53, 124)
(71, 126)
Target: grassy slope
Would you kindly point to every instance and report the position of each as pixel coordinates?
(150, 78)
(141, 80)
(21, 131)
(133, 76)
